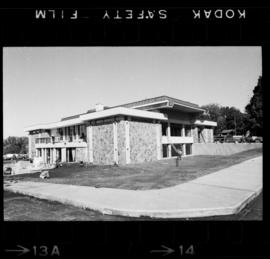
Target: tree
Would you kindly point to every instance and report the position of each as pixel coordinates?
(17, 145)
(213, 113)
(234, 119)
(226, 118)
(255, 110)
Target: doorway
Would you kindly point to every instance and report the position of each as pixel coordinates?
(71, 154)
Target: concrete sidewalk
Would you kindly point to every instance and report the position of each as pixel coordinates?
(221, 193)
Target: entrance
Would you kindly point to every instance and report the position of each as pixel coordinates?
(71, 152)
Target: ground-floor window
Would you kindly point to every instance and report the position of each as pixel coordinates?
(58, 155)
(164, 150)
(178, 147)
(188, 149)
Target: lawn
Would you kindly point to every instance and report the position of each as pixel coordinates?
(19, 207)
(151, 175)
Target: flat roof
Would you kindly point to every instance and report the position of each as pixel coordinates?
(100, 115)
(139, 109)
(170, 103)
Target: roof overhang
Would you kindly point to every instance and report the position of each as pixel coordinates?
(186, 108)
(125, 112)
(54, 125)
(100, 115)
(205, 123)
(165, 104)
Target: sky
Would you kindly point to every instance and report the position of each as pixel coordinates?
(44, 84)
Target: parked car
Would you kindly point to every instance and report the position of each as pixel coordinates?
(228, 136)
(239, 138)
(254, 139)
(10, 156)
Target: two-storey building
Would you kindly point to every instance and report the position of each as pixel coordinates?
(129, 133)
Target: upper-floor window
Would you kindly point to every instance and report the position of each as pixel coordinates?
(176, 130)
(188, 130)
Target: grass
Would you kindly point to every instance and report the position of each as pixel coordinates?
(18, 207)
(151, 175)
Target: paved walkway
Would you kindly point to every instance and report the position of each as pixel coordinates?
(221, 193)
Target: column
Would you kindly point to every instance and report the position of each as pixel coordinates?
(51, 155)
(169, 150)
(76, 132)
(64, 134)
(127, 141)
(45, 155)
(158, 132)
(183, 133)
(89, 137)
(29, 146)
(184, 149)
(63, 154)
(54, 155)
(115, 143)
(42, 154)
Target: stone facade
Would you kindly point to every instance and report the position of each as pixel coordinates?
(194, 134)
(31, 145)
(143, 141)
(81, 154)
(207, 135)
(103, 144)
(121, 142)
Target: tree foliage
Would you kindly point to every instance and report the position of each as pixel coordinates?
(254, 109)
(232, 118)
(17, 145)
(226, 117)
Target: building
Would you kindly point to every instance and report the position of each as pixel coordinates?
(129, 133)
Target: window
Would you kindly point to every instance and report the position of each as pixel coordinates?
(164, 129)
(188, 149)
(188, 130)
(176, 130)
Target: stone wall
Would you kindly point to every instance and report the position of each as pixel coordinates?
(81, 154)
(208, 135)
(121, 142)
(222, 149)
(103, 144)
(194, 134)
(143, 141)
(32, 144)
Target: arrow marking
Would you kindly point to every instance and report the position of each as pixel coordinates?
(21, 251)
(166, 251)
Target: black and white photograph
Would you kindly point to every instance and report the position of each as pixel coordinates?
(132, 133)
